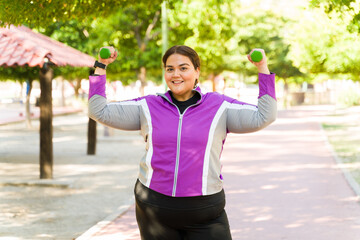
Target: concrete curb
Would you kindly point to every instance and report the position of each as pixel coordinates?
(108, 220)
(348, 176)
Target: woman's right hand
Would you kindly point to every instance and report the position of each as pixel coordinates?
(112, 57)
(262, 65)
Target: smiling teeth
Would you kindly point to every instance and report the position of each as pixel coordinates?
(177, 81)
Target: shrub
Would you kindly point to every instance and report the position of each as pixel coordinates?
(349, 97)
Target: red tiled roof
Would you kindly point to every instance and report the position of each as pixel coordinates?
(20, 46)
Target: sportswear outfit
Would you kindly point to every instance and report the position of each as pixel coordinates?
(179, 192)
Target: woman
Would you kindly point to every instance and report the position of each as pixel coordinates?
(179, 192)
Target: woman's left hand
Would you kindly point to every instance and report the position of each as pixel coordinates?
(262, 65)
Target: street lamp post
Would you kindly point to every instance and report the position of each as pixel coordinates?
(164, 28)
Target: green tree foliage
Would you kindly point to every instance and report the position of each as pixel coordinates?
(89, 25)
(206, 27)
(21, 74)
(136, 32)
(323, 45)
(223, 33)
(76, 35)
(344, 56)
(42, 13)
(73, 33)
(266, 30)
(343, 8)
(57, 19)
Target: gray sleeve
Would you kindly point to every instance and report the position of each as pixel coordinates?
(247, 118)
(122, 115)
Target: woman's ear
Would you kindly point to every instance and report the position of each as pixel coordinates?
(196, 83)
(198, 73)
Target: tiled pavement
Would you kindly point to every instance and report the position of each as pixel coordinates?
(280, 183)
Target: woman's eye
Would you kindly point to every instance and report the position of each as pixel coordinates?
(169, 69)
(183, 69)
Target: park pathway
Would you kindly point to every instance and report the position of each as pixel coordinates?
(280, 183)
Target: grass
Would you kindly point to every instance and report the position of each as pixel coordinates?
(343, 132)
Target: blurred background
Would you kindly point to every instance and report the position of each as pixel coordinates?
(312, 46)
(48, 47)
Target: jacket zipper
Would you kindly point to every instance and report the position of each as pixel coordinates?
(178, 146)
(178, 142)
(177, 154)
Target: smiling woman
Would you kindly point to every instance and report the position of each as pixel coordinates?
(181, 76)
(179, 192)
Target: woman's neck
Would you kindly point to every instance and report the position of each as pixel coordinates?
(182, 98)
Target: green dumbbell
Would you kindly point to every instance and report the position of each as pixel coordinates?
(256, 56)
(105, 53)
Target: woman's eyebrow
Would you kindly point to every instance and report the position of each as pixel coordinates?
(179, 65)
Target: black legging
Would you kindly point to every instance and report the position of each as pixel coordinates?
(161, 217)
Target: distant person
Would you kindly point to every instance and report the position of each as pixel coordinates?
(179, 191)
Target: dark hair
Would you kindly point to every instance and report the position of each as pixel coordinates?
(185, 51)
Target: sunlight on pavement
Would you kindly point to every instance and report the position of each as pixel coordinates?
(269, 187)
(263, 218)
(294, 225)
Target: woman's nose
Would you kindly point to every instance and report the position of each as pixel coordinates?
(176, 72)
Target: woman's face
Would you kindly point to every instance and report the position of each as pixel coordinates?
(180, 76)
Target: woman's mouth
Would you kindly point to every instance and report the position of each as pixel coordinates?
(177, 82)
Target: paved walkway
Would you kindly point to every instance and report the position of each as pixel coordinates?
(85, 188)
(280, 183)
(11, 113)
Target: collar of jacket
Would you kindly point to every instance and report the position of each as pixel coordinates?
(168, 97)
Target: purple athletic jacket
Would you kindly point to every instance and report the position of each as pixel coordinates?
(182, 156)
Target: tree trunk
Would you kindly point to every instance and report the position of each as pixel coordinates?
(224, 87)
(286, 95)
(212, 79)
(46, 128)
(77, 87)
(142, 77)
(20, 96)
(27, 104)
(91, 148)
(63, 103)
